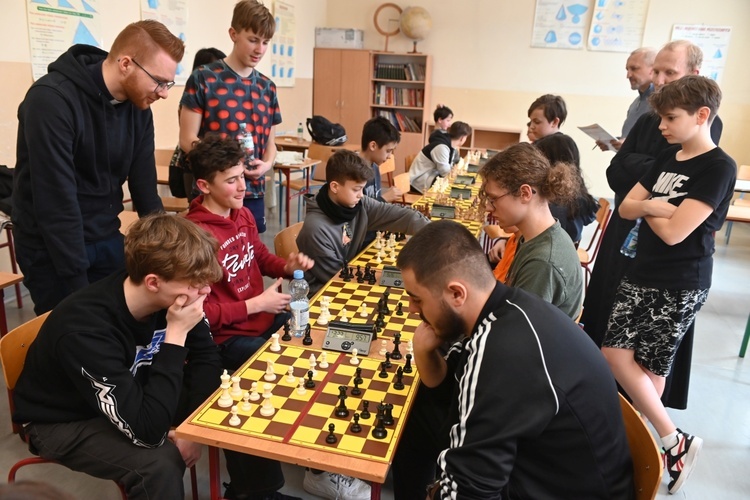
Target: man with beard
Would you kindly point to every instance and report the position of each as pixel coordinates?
(83, 129)
(523, 378)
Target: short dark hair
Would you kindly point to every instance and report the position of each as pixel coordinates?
(213, 154)
(345, 165)
(380, 130)
(459, 129)
(553, 107)
(444, 250)
(441, 113)
(691, 92)
(253, 15)
(207, 56)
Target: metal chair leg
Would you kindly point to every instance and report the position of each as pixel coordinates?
(743, 347)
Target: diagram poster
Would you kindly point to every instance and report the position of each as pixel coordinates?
(561, 25)
(713, 41)
(617, 25)
(174, 15)
(283, 45)
(55, 25)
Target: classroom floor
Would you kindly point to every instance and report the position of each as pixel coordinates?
(718, 409)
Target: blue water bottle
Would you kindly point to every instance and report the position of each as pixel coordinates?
(630, 245)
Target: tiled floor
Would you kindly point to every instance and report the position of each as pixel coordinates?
(718, 410)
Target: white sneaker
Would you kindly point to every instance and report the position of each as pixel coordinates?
(336, 486)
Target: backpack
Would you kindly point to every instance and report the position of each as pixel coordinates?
(323, 131)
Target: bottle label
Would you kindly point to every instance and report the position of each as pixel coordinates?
(300, 314)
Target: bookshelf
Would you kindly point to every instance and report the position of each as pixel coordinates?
(399, 91)
(484, 138)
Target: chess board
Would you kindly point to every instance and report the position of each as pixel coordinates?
(352, 295)
(369, 256)
(303, 419)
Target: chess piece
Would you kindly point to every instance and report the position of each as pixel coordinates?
(354, 360)
(383, 347)
(236, 391)
(267, 390)
(341, 410)
(286, 337)
(307, 340)
(310, 383)
(225, 378)
(234, 421)
(396, 353)
(275, 346)
(399, 309)
(313, 364)
(358, 375)
(331, 437)
(379, 431)
(355, 427)
(325, 316)
(290, 375)
(267, 409)
(365, 410)
(363, 310)
(388, 414)
(225, 400)
(348, 274)
(269, 376)
(407, 366)
(410, 347)
(383, 372)
(344, 315)
(374, 333)
(323, 360)
(254, 396)
(356, 391)
(387, 361)
(246, 406)
(301, 389)
(399, 383)
(392, 255)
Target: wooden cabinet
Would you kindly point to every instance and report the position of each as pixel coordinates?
(483, 138)
(341, 88)
(400, 90)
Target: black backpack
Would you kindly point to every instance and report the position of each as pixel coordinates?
(323, 131)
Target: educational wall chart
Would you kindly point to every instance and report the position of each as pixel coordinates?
(283, 45)
(713, 40)
(617, 25)
(174, 15)
(561, 25)
(55, 25)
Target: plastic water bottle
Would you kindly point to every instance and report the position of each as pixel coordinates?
(630, 245)
(246, 141)
(300, 305)
(300, 132)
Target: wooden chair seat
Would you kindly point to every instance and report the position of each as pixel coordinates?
(647, 461)
(401, 181)
(172, 204)
(587, 255)
(285, 241)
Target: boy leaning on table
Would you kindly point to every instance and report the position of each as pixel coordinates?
(241, 313)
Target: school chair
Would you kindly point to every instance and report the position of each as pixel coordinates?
(13, 349)
(745, 339)
(387, 168)
(7, 225)
(401, 181)
(285, 241)
(408, 161)
(743, 174)
(587, 255)
(645, 454)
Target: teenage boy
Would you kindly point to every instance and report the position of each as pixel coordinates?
(83, 129)
(683, 200)
(518, 380)
(379, 141)
(435, 158)
(221, 96)
(339, 217)
(241, 313)
(101, 385)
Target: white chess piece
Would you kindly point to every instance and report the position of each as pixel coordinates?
(236, 391)
(270, 376)
(313, 364)
(246, 406)
(393, 254)
(323, 360)
(363, 310)
(378, 260)
(410, 347)
(235, 420)
(267, 390)
(290, 375)
(344, 315)
(324, 316)
(275, 346)
(301, 389)
(254, 396)
(354, 360)
(267, 409)
(225, 400)
(383, 347)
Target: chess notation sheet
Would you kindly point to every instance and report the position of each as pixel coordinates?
(598, 133)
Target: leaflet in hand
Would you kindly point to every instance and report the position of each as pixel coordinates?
(598, 133)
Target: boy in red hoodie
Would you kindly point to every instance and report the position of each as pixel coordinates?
(241, 313)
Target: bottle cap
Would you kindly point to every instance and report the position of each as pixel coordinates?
(299, 274)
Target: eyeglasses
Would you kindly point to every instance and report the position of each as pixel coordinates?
(160, 85)
(491, 200)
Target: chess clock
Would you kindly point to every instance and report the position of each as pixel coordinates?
(457, 192)
(465, 180)
(346, 336)
(391, 276)
(443, 211)
(472, 168)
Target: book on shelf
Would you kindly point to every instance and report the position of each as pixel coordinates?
(407, 72)
(402, 122)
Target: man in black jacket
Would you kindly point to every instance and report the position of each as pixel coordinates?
(535, 411)
(116, 364)
(83, 129)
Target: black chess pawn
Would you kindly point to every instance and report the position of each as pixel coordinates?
(399, 309)
(360, 275)
(348, 275)
(380, 322)
(331, 437)
(344, 270)
(358, 375)
(355, 427)
(286, 337)
(386, 294)
(387, 361)
(407, 366)
(388, 414)
(375, 331)
(310, 383)
(379, 431)
(396, 353)
(307, 340)
(399, 383)
(365, 414)
(383, 372)
(373, 280)
(356, 391)
(341, 410)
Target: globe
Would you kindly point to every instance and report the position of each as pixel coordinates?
(415, 23)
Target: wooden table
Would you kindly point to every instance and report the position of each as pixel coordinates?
(162, 175)
(305, 168)
(742, 185)
(289, 143)
(368, 470)
(6, 280)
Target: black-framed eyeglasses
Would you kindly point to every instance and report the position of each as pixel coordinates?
(160, 85)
